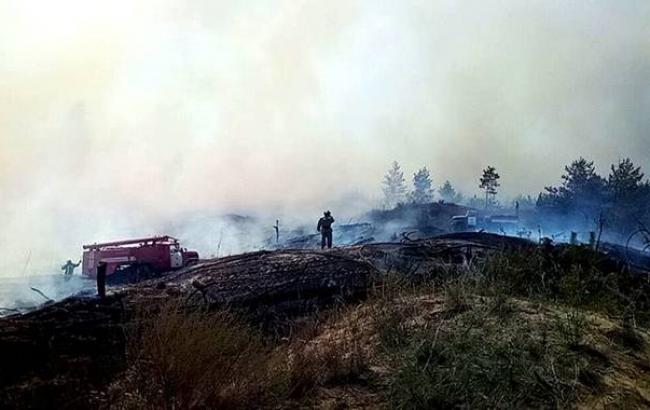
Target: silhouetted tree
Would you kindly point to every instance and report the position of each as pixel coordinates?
(581, 182)
(624, 180)
(628, 196)
(619, 203)
(582, 191)
(394, 186)
(449, 194)
(489, 183)
(422, 192)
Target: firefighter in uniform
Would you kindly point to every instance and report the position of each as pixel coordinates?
(325, 229)
(68, 268)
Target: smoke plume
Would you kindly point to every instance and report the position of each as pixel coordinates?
(117, 118)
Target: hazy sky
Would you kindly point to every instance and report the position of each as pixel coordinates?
(116, 115)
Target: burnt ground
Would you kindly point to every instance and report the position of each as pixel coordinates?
(417, 221)
(57, 356)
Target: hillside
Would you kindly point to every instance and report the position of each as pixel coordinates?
(473, 320)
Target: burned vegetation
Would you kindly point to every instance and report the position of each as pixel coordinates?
(458, 320)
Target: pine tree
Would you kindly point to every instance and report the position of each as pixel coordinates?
(581, 182)
(448, 193)
(624, 179)
(627, 195)
(620, 201)
(422, 192)
(489, 183)
(394, 187)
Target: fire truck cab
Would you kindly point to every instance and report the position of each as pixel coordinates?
(468, 222)
(472, 221)
(136, 259)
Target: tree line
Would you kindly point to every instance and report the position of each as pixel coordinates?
(396, 192)
(620, 201)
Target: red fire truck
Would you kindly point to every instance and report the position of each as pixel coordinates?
(136, 259)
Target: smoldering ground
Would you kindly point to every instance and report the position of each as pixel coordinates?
(21, 294)
(117, 118)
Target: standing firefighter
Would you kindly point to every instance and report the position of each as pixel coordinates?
(68, 268)
(325, 229)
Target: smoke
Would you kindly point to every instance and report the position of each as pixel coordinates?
(22, 294)
(117, 119)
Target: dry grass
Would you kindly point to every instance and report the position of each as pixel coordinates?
(194, 359)
(414, 349)
(517, 331)
(183, 359)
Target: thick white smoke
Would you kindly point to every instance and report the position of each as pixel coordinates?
(117, 117)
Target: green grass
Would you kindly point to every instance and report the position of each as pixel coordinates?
(574, 275)
(476, 360)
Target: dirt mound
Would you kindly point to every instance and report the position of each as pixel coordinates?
(272, 278)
